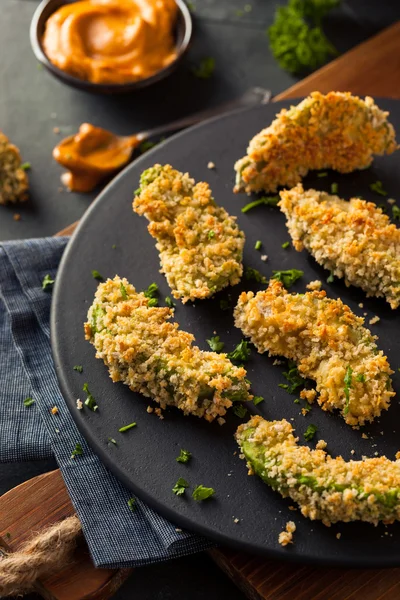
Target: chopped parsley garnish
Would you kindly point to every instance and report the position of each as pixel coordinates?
(377, 187)
(285, 245)
(152, 291)
(224, 304)
(168, 302)
(90, 402)
(289, 277)
(347, 386)
(211, 234)
(240, 410)
(114, 246)
(253, 274)
(78, 368)
(26, 166)
(296, 38)
(241, 353)
(205, 68)
(396, 212)
(112, 441)
(297, 401)
(97, 275)
(180, 486)
(184, 456)
(310, 432)
(77, 451)
(330, 278)
(215, 344)
(334, 188)
(267, 200)
(322, 174)
(257, 400)
(202, 493)
(146, 145)
(383, 208)
(28, 401)
(132, 504)
(126, 427)
(47, 282)
(258, 245)
(123, 291)
(360, 377)
(293, 377)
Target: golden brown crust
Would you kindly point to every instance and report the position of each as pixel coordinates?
(13, 180)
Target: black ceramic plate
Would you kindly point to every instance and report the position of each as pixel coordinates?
(144, 459)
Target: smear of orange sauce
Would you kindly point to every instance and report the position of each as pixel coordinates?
(91, 155)
(111, 41)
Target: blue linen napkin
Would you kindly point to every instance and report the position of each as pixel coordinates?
(116, 536)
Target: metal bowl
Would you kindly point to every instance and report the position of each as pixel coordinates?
(183, 34)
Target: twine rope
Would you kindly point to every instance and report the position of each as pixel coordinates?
(42, 555)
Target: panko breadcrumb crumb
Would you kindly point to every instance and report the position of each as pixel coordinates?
(13, 179)
(314, 285)
(286, 537)
(152, 356)
(354, 239)
(327, 341)
(325, 488)
(200, 244)
(333, 131)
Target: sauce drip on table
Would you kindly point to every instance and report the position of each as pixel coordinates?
(91, 155)
(112, 41)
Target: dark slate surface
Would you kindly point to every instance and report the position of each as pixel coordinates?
(29, 98)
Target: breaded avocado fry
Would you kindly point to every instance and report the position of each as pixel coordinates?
(200, 244)
(354, 239)
(325, 488)
(13, 179)
(329, 344)
(336, 131)
(152, 356)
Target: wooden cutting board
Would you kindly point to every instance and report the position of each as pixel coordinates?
(373, 68)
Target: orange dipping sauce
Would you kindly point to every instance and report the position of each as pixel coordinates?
(112, 41)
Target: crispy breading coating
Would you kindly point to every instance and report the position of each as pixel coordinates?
(145, 351)
(329, 344)
(333, 131)
(13, 180)
(354, 239)
(200, 244)
(325, 488)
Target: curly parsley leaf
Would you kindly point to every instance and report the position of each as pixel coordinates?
(293, 377)
(310, 432)
(330, 278)
(152, 294)
(267, 200)
(77, 451)
(202, 493)
(205, 69)
(253, 274)
(215, 344)
(28, 402)
(377, 187)
(184, 456)
(241, 353)
(97, 275)
(168, 302)
(47, 283)
(78, 368)
(257, 400)
(90, 402)
(180, 486)
(296, 38)
(240, 411)
(289, 277)
(123, 291)
(132, 504)
(396, 212)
